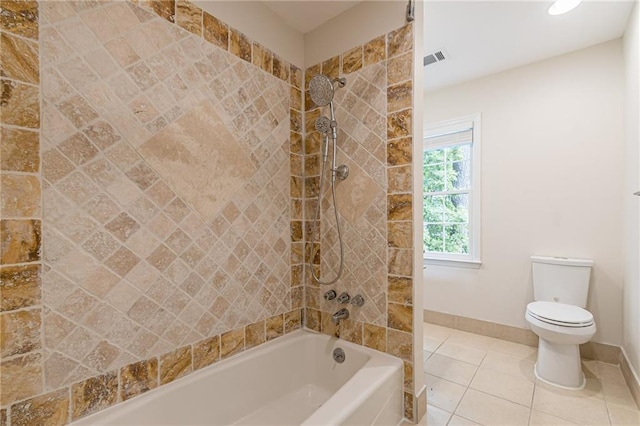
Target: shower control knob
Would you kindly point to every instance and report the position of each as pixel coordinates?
(344, 298)
(357, 300)
(342, 172)
(330, 295)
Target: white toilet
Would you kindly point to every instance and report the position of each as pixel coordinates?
(558, 317)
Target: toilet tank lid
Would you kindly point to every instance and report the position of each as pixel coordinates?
(562, 261)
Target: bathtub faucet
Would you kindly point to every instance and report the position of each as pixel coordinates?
(341, 314)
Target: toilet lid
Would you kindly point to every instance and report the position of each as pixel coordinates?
(560, 314)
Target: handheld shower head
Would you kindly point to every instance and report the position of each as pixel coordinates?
(321, 90)
(323, 124)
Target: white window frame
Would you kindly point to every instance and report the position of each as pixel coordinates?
(473, 121)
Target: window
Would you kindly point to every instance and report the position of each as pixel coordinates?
(451, 189)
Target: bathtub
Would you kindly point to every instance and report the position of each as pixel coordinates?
(292, 380)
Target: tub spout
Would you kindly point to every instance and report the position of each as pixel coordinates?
(341, 314)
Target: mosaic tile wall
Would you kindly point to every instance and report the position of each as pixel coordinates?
(170, 189)
(374, 115)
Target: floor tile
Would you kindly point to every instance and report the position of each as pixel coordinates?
(623, 416)
(462, 353)
(490, 410)
(610, 373)
(522, 368)
(539, 418)
(426, 355)
(443, 393)
(569, 405)
(617, 394)
(431, 344)
(515, 350)
(460, 421)
(450, 369)
(507, 386)
(470, 339)
(436, 331)
(436, 417)
(490, 382)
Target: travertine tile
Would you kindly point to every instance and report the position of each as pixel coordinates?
(375, 337)
(399, 124)
(280, 68)
(19, 59)
(399, 207)
(400, 234)
(206, 352)
(49, 409)
(239, 45)
(400, 317)
(262, 57)
(20, 286)
(374, 51)
(20, 17)
(164, 9)
(175, 365)
(20, 104)
(399, 96)
(400, 290)
(189, 16)
(20, 378)
(231, 343)
(400, 41)
(215, 31)
(351, 331)
(20, 196)
(20, 332)
(20, 241)
(94, 394)
(138, 378)
(255, 334)
(274, 327)
(352, 60)
(312, 319)
(292, 320)
(19, 150)
(331, 67)
(400, 344)
(399, 179)
(399, 152)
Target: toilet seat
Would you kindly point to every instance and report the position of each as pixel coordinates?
(560, 314)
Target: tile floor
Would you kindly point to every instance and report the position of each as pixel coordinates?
(473, 379)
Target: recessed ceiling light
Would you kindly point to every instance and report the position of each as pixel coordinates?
(563, 6)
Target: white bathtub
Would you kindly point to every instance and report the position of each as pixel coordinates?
(290, 381)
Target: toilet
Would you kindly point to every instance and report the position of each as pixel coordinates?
(558, 317)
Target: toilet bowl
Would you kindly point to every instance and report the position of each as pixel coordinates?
(561, 328)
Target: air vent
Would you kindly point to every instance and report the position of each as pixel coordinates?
(434, 57)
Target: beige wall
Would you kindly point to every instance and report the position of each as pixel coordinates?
(258, 22)
(355, 26)
(631, 308)
(552, 184)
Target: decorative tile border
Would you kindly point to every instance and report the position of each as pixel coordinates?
(395, 51)
(97, 393)
(21, 360)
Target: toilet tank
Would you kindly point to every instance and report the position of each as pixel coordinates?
(560, 279)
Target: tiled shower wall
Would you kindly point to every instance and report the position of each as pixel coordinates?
(170, 195)
(374, 115)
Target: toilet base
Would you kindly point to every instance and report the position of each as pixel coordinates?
(559, 365)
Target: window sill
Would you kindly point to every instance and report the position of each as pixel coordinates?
(470, 264)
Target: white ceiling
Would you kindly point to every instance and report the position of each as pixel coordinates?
(306, 15)
(483, 38)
